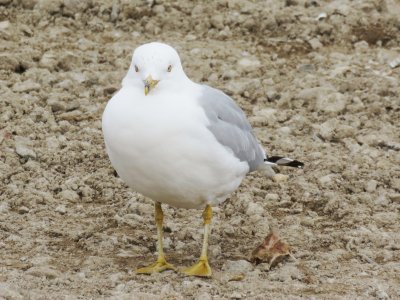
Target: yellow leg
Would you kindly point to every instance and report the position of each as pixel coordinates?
(202, 268)
(161, 264)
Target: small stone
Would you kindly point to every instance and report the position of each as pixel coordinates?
(72, 7)
(235, 295)
(159, 9)
(332, 103)
(49, 6)
(395, 63)
(56, 105)
(321, 16)
(115, 12)
(310, 94)
(26, 86)
(28, 4)
(361, 45)
(70, 196)
(326, 180)
(48, 61)
(287, 273)
(212, 78)
(285, 130)
(4, 207)
(237, 266)
(6, 292)
(229, 74)
(310, 3)
(395, 197)
(22, 147)
(272, 95)
(217, 21)
(306, 68)
(280, 178)
(43, 271)
(8, 63)
(23, 210)
(315, 44)
(254, 209)
(371, 186)
(61, 209)
(249, 63)
(271, 197)
(382, 200)
(381, 294)
(203, 296)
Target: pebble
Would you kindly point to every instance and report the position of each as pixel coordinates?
(4, 207)
(249, 63)
(271, 197)
(236, 295)
(56, 105)
(381, 294)
(8, 63)
(321, 16)
(212, 78)
(229, 74)
(306, 68)
(234, 267)
(48, 61)
(49, 6)
(69, 195)
(395, 197)
(115, 12)
(286, 273)
(326, 180)
(26, 86)
(315, 44)
(361, 45)
(203, 296)
(395, 63)
(371, 185)
(23, 210)
(72, 7)
(217, 21)
(285, 130)
(61, 209)
(43, 271)
(23, 147)
(310, 94)
(332, 103)
(6, 292)
(254, 209)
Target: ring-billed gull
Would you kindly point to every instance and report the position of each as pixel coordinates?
(178, 142)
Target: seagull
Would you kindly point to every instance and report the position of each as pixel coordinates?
(178, 142)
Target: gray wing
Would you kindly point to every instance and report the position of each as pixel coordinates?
(230, 126)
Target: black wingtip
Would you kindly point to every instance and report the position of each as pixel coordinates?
(284, 161)
(295, 164)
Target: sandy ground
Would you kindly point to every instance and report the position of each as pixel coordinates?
(316, 87)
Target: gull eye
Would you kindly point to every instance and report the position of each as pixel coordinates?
(136, 68)
(169, 68)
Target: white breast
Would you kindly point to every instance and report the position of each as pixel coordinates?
(161, 147)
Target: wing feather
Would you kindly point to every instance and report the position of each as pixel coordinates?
(230, 126)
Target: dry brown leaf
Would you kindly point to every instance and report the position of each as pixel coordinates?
(272, 250)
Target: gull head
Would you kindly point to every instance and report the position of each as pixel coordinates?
(154, 66)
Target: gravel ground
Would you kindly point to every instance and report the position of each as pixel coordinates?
(319, 82)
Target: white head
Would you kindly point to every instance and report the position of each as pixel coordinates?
(154, 64)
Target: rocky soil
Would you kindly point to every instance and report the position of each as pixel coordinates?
(319, 82)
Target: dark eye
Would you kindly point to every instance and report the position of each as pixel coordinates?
(136, 68)
(169, 68)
